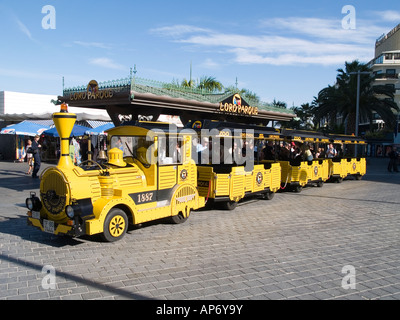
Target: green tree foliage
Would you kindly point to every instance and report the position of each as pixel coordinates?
(340, 99)
(304, 119)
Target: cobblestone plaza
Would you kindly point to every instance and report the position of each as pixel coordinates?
(340, 241)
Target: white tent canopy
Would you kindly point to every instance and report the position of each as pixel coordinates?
(46, 116)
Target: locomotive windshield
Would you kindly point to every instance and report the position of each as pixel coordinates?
(133, 146)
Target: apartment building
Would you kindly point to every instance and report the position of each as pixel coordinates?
(386, 66)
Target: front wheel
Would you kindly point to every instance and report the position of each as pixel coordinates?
(115, 225)
(181, 218)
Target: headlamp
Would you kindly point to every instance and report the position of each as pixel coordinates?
(33, 203)
(29, 203)
(69, 211)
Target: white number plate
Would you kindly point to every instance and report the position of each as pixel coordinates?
(48, 226)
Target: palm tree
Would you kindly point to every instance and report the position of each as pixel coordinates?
(325, 107)
(187, 84)
(340, 99)
(210, 83)
(279, 104)
(304, 119)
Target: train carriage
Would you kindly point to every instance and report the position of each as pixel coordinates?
(140, 182)
(297, 172)
(350, 159)
(226, 174)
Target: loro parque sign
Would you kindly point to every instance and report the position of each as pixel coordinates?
(237, 105)
(92, 93)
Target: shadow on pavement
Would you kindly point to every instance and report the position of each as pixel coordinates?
(77, 279)
(18, 227)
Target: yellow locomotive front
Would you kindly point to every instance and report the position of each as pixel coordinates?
(104, 198)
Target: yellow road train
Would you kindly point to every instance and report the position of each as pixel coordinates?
(155, 171)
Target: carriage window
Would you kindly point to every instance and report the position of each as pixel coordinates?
(170, 150)
(132, 146)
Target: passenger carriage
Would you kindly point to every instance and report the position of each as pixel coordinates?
(297, 172)
(350, 159)
(226, 174)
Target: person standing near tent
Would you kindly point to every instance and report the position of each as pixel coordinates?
(29, 156)
(36, 156)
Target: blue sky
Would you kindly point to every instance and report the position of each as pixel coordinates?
(285, 50)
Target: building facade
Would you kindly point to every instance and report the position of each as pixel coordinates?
(386, 69)
(388, 42)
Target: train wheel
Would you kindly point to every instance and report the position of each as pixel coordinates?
(115, 225)
(230, 205)
(181, 218)
(320, 184)
(358, 176)
(297, 189)
(268, 195)
(339, 180)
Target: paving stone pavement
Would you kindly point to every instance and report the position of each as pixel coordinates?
(340, 241)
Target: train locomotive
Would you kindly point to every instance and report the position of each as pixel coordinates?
(104, 198)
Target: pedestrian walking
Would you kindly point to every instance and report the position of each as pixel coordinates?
(393, 155)
(29, 156)
(36, 156)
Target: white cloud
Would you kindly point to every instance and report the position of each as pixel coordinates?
(286, 41)
(24, 29)
(278, 50)
(99, 45)
(106, 63)
(244, 56)
(178, 30)
(389, 15)
(326, 29)
(210, 64)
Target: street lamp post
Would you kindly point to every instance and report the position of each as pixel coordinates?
(358, 73)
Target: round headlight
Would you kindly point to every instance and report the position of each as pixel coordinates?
(70, 212)
(29, 203)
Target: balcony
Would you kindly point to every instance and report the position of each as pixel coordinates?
(384, 88)
(386, 76)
